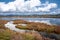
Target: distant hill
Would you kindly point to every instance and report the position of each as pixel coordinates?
(33, 16)
(29, 14)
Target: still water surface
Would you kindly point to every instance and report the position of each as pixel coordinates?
(51, 20)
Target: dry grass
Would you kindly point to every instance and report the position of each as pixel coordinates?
(38, 27)
(6, 34)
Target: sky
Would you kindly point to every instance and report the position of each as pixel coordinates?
(51, 6)
(53, 1)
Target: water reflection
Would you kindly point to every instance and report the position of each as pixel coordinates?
(51, 20)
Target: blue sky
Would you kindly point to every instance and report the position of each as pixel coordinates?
(30, 5)
(43, 1)
(53, 1)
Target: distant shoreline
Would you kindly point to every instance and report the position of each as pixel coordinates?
(33, 16)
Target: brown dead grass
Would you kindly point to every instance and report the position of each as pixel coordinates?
(6, 34)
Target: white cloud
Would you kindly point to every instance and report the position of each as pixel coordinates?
(30, 5)
(48, 7)
(57, 11)
(7, 7)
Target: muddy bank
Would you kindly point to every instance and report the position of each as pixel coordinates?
(33, 26)
(7, 34)
(38, 31)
